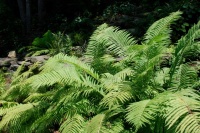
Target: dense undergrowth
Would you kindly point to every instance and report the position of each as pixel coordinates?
(118, 85)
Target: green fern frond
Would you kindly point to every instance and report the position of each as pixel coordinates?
(39, 52)
(7, 105)
(14, 117)
(183, 46)
(17, 92)
(73, 125)
(66, 76)
(183, 111)
(118, 40)
(113, 127)
(112, 81)
(35, 97)
(160, 29)
(95, 124)
(46, 120)
(116, 97)
(65, 60)
(95, 47)
(20, 76)
(193, 50)
(141, 113)
(111, 39)
(190, 124)
(19, 70)
(90, 85)
(184, 77)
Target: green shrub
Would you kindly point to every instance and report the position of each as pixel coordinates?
(50, 43)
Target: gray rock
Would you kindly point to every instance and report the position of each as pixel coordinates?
(6, 62)
(34, 59)
(25, 63)
(12, 54)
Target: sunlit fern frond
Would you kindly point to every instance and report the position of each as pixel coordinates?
(111, 81)
(159, 31)
(141, 113)
(17, 92)
(35, 97)
(183, 111)
(20, 76)
(73, 125)
(19, 70)
(45, 121)
(117, 96)
(95, 124)
(111, 39)
(63, 76)
(184, 77)
(39, 52)
(70, 60)
(95, 47)
(14, 117)
(90, 85)
(113, 127)
(183, 47)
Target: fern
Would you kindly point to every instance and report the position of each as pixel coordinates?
(141, 113)
(119, 86)
(160, 29)
(96, 123)
(73, 125)
(182, 47)
(11, 116)
(111, 39)
(184, 77)
(184, 107)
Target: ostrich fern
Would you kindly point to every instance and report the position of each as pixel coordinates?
(119, 86)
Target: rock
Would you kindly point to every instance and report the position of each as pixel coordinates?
(25, 63)
(34, 59)
(7, 61)
(12, 54)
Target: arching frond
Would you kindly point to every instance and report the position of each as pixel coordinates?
(184, 77)
(112, 81)
(183, 45)
(183, 111)
(35, 97)
(96, 47)
(67, 76)
(160, 30)
(109, 38)
(65, 61)
(141, 113)
(73, 125)
(95, 124)
(118, 96)
(11, 116)
(113, 127)
(69, 70)
(20, 76)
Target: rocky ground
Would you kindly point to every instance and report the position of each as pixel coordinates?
(10, 64)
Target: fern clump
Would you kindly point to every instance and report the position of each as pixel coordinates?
(118, 86)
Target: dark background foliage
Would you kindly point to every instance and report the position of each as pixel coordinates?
(79, 18)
